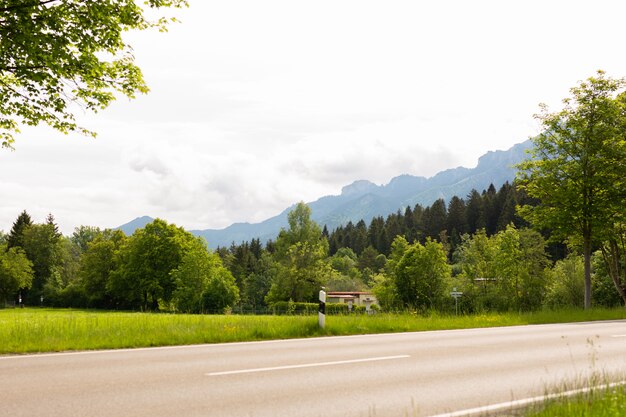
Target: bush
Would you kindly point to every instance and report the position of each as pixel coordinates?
(336, 308)
(290, 307)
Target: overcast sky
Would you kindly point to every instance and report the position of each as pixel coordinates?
(256, 105)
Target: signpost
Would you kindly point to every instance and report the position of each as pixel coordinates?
(322, 309)
(456, 295)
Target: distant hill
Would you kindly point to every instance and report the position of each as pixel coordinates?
(365, 200)
(130, 227)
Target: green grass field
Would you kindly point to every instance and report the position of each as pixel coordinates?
(52, 330)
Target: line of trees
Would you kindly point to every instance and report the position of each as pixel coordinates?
(159, 267)
(163, 267)
(555, 238)
(490, 210)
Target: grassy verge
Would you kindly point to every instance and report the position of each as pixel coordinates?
(49, 330)
(598, 402)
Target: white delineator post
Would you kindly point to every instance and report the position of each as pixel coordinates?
(322, 309)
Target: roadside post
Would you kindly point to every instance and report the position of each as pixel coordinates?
(456, 295)
(322, 309)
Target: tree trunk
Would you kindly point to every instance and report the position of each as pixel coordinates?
(587, 256)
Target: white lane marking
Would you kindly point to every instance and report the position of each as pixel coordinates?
(524, 402)
(307, 365)
(619, 335)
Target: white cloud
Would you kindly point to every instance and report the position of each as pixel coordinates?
(257, 105)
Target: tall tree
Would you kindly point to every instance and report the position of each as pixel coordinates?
(15, 272)
(421, 274)
(475, 212)
(576, 171)
(203, 284)
(456, 221)
(84, 235)
(434, 218)
(41, 242)
(145, 263)
(491, 209)
(97, 264)
(301, 253)
(58, 52)
(15, 237)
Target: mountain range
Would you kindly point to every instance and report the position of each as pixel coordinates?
(365, 200)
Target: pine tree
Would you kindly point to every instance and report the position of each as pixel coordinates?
(16, 235)
(474, 212)
(435, 219)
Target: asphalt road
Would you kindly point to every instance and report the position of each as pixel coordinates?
(414, 374)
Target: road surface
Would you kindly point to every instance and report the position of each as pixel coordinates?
(414, 374)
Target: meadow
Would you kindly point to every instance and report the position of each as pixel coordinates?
(33, 330)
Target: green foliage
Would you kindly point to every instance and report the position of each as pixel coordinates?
(97, 265)
(291, 307)
(16, 235)
(300, 256)
(333, 309)
(258, 283)
(57, 53)
(502, 272)
(15, 272)
(601, 401)
(202, 282)
(143, 277)
(41, 242)
(45, 330)
(83, 235)
(566, 283)
(421, 274)
(386, 292)
(221, 292)
(577, 166)
(604, 294)
(613, 253)
(63, 287)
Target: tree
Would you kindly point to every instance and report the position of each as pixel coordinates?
(41, 243)
(519, 264)
(202, 282)
(434, 219)
(301, 253)
(577, 166)
(84, 235)
(15, 237)
(475, 212)
(421, 274)
(566, 283)
(58, 52)
(613, 251)
(257, 285)
(63, 288)
(504, 271)
(143, 278)
(15, 271)
(97, 264)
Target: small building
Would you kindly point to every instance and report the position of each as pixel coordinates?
(356, 298)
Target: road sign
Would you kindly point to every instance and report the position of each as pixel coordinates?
(456, 295)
